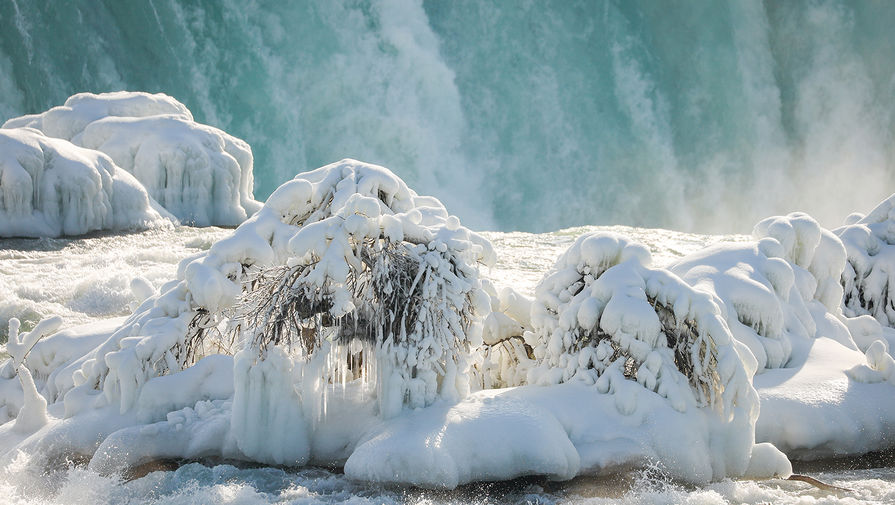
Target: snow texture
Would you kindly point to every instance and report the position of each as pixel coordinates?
(602, 316)
(784, 285)
(198, 173)
(345, 323)
(50, 187)
(869, 276)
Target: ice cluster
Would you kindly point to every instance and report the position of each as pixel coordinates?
(197, 173)
(870, 271)
(345, 274)
(346, 323)
(50, 187)
(783, 285)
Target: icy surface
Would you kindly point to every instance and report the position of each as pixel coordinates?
(197, 172)
(50, 187)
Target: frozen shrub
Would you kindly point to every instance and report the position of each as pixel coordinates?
(602, 316)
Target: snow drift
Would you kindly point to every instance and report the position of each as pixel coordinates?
(50, 187)
(197, 172)
(778, 288)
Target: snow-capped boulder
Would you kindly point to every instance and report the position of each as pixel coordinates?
(197, 172)
(50, 187)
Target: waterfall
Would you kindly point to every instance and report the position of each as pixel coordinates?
(692, 115)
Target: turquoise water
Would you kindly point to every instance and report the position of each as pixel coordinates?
(690, 115)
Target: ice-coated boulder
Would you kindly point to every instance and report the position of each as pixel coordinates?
(50, 187)
(200, 174)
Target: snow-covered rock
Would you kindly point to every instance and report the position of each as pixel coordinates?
(197, 172)
(50, 187)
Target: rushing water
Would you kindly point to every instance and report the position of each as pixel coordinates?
(225, 484)
(86, 279)
(519, 115)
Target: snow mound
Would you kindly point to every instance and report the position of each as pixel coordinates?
(602, 316)
(783, 286)
(197, 172)
(495, 437)
(345, 280)
(50, 187)
(318, 240)
(824, 385)
(869, 276)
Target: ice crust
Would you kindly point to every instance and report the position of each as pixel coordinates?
(397, 361)
(50, 187)
(198, 173)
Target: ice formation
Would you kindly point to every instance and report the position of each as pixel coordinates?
(50, 187)
(346, 323)
(200, 174)
(602, 316)
(870, 271)
(781, 286)
(823, 374)
(345, 276)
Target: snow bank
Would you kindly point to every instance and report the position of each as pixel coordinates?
(200, 174)
(830, 404)
(825, 383)
(49, 187)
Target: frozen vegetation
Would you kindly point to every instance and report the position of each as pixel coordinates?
(870, 270)
(347, 323)
(197, 173)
